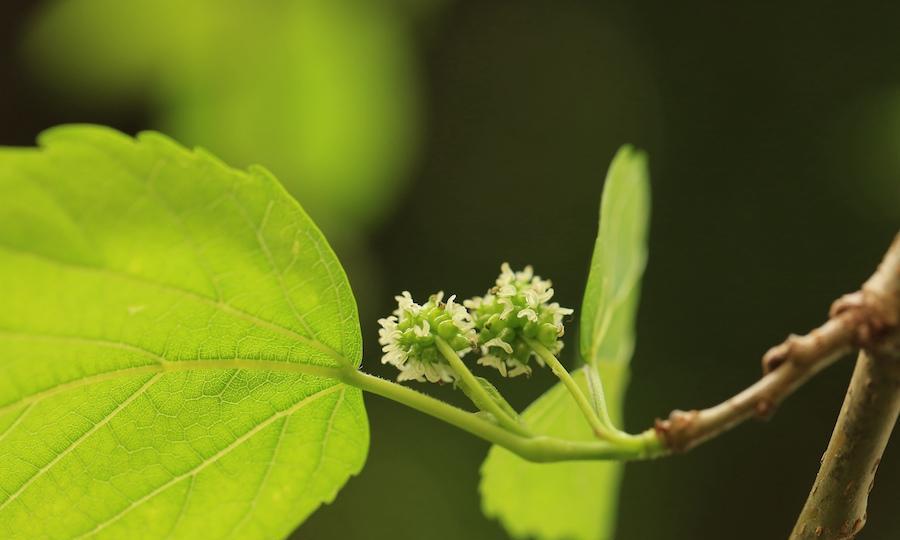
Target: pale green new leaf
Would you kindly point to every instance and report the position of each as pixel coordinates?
(578, 500)
(620, 254)
(166, 321)
(573, 500)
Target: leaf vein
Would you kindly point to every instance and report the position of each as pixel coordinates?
(69, 449)
(213, 459)
(15, 423)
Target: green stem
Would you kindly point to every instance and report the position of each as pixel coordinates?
(533, 448)
(465, 420)
(476, 392)
(600, 429)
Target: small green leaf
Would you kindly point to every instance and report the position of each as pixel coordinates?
(560, 501)
(620, 254)
(166, 321)
(578, 500)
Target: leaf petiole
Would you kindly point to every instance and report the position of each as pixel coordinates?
(537, 448)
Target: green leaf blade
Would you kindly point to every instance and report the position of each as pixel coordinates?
(554, 501)
(166, 321)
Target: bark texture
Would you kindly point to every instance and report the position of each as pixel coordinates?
(836, 507)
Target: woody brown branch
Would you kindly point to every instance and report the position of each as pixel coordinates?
(836, 506)
(866, 319)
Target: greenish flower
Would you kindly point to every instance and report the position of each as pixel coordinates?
(408, 337)
(516, 309)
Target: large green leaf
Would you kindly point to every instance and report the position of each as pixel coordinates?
(165, 323)
(578, 500)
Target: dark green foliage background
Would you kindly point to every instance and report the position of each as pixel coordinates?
(773, 149)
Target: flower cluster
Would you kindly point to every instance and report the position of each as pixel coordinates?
(499, 324)
(408, 337)
(517, 309)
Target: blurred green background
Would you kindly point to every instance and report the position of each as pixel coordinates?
(433, 140)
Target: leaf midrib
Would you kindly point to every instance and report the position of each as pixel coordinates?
(160, 365)
(212, 302)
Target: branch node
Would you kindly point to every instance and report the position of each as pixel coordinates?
(872, 313)
(676, 431)
(778, 355)
(764, 409)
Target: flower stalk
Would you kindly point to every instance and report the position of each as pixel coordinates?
(601, 430)
(476, 391)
